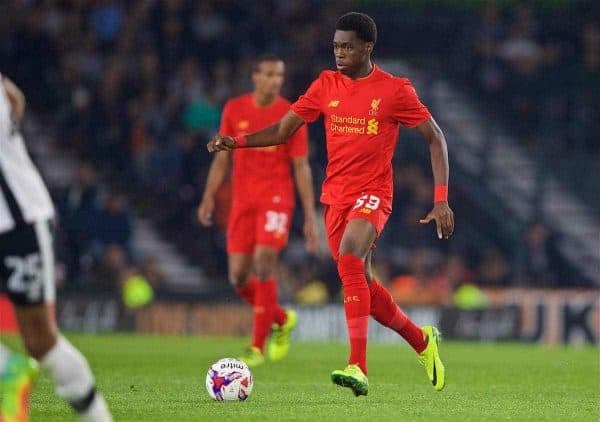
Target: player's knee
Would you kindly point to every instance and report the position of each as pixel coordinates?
(264, 272)
(238, 277)
(39, 344)
(264, 263)
(352, 246)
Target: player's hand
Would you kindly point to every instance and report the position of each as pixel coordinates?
(311, 238)
(444, 219)
(221, 143)
(205, 211)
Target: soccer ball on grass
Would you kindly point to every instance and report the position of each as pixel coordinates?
(229, 379)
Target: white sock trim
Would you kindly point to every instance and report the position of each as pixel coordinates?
(69, 370)
(97, 412)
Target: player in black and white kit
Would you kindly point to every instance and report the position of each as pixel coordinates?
(27, 276)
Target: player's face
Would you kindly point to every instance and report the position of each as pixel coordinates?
(351, 53)
(268, 78)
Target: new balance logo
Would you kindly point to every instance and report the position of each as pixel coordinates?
(334, 103)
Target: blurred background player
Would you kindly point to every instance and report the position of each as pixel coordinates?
(262, 205)
(364, 108)
(27, 275)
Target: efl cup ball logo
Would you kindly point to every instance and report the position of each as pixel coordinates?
(229, 379)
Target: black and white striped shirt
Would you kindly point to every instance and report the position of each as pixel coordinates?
(23, 195)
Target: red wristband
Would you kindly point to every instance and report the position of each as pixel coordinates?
(240, 141)
(440, 194)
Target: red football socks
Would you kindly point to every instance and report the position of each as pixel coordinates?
(247, 293)
(357, 303)
(387, 313)
(264, 304)
(279, 315)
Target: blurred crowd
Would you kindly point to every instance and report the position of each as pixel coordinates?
(134, 90)
(543, 71)
(94, 239)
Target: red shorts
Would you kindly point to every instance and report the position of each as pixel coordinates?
(368, 207)
(249, 226)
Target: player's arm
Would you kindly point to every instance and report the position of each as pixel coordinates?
(16, 99)
(304, 182)
(441, 212)
(216, 175)
(277, 134)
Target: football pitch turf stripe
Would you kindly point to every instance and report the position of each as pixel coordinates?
(151, 378)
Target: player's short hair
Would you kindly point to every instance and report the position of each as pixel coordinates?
(361, 23)
(267, 57)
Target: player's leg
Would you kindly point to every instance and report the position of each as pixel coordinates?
(68, 368)
(272, 231)
(357, 239)
(239, 269)
(241, 241)
(385, 311)
(423, 340)
(34, 310)
(282, 321)
(18, 247)
(264, 262)
(247, 287)
(265, 265)
(240, 247)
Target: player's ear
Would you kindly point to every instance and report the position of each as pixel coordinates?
(370, 47)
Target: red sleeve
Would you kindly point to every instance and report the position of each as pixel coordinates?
(308, 106)
(408, 109)
(298, 143)
(227, 127)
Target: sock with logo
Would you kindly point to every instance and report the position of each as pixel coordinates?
(357, 303)
(388, 313)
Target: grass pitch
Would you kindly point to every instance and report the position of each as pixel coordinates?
(148, 378)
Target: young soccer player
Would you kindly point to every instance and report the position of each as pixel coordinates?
(27, 275)
(363, 108)
(262, 206)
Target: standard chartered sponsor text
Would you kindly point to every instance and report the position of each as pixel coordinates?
(353, 125)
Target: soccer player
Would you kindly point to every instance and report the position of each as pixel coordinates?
(27, 275)
(363, 108)
(262, 206)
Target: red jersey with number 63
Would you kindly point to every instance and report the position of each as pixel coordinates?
(261, 175)
(362, 119)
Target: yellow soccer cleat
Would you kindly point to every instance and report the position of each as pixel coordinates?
(353, 378)
(430, 358)
(279, 346)
(253, 357)
(15, 383)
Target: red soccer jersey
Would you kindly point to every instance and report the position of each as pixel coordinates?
(261, 175)
(362, 119)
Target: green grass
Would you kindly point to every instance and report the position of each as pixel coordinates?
(148, 378)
